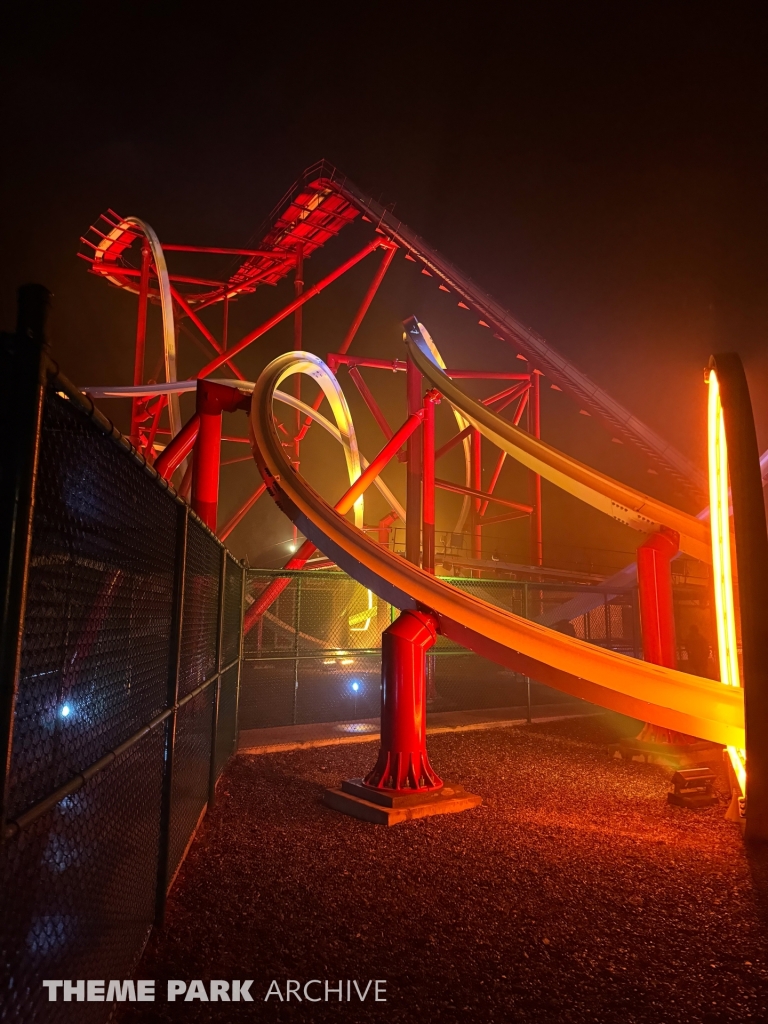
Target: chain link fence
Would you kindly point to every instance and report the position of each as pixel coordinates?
(124, 708)
(315, 655)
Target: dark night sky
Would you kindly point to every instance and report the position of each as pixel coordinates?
(602, 171)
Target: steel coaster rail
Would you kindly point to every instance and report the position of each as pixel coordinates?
(665, 696)
(556, 367)
(632, 507)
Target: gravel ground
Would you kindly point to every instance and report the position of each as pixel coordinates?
(575, 894)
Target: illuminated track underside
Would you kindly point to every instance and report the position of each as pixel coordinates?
(665, 697)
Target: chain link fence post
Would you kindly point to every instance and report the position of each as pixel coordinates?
(217, 685)
(174, 668)
(23, 358)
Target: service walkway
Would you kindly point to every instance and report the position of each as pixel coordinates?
(574, 895)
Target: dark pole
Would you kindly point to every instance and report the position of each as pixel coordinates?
(751, 539)
(172, 698)
(23, 357)
(217, 685)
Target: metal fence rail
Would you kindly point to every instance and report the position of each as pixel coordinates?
(119, 694)
(315, 656)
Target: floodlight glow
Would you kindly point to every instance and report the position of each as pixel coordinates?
(355, 686)
(347, 661)
(65, 710)
(722, 570)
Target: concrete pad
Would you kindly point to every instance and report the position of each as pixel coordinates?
(392, 810)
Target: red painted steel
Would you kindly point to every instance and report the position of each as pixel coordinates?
(657, 613)
(537, 546)
(456, 439)
(242, 511)
(403, 763)
(522, 392)
(290, 308)
(212, 400)
(223, 252)
(505, 518)
(141, 338)
(389, 254)
(413, 471)
(431, 399)
(483, 375)
(174, 454)
(477, 483)
(384, 526)
(342, 506)
(446, 485)
(337, 359)
(370, 401)
(509, 393)
(298, 344)
(188, 311)
(161, 404)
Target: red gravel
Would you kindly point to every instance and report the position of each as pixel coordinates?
(575, 894)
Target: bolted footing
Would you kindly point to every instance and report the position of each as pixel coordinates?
(387, 808)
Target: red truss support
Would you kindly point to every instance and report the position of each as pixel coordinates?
(290, 308)
(342, 506)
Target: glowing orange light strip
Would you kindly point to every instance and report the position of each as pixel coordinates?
(722, 571)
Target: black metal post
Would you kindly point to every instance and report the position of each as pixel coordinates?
(174, 667)
(23, 358)
(217, 685)
(297, 623)
(527, 678)
(240, 657)
(751, 541)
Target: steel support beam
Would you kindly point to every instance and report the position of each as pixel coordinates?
(413, 470)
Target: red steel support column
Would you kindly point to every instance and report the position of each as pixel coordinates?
(205, 478)
(413, 470)
(212, 400)
(403, 763)
(477, 483)
(534, 480)
(378, 277)
(141, 338)
(657, 614)
(431, 399)
(298, 285)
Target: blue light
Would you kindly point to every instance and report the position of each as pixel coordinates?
(355, 686)
(65, 710)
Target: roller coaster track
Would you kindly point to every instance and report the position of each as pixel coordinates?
(664, 696)
(320, 205)
(324, 179)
